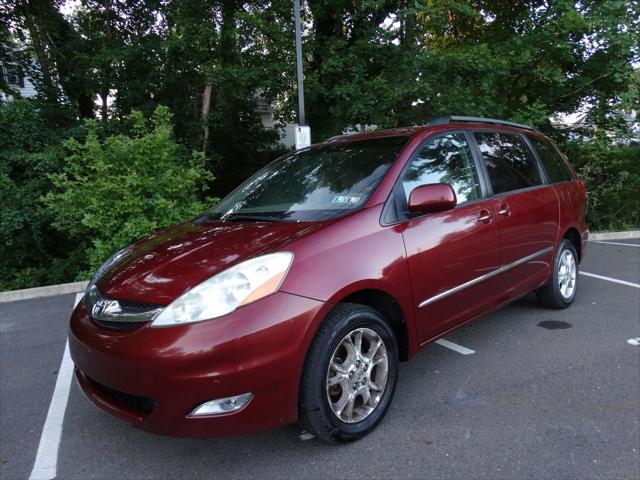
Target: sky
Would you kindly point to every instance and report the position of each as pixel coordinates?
(69, 6)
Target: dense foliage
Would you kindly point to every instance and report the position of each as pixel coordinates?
(144, 179)
(73, 191)
(32, 252)
(612, 176)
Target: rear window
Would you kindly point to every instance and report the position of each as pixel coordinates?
(554, 164)
(509, 161)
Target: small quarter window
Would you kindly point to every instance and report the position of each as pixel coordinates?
(509, 161)
(554, 164)
(445, 159)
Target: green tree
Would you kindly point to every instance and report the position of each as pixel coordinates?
(611, 174)
(115, 190)
(402, 63)
(63, 71)
(203, 59)
(32, 252)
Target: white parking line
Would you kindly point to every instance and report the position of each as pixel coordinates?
(454, 346)
(609, 279)
(46, 462)
(618, 243)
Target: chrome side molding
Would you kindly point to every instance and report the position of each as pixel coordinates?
(484, 277)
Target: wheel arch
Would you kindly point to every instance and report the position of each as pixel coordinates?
(574, 237)
(391, 311)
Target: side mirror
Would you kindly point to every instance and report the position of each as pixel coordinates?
(435, 197)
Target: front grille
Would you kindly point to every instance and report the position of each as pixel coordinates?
(119, 314)
(142, 406)
(126, 304)
(120, 325)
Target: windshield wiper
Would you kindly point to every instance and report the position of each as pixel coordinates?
(249, 218)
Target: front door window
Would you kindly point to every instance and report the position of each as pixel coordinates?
(445, 159)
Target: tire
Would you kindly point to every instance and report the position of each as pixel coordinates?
(319, 403)
(561, 291)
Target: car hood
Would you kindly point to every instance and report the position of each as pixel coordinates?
(168, 263)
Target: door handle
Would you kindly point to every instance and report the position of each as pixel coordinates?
(505, 211)
(485, 216)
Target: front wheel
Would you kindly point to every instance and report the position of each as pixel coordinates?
(350, 374)
(560, 292)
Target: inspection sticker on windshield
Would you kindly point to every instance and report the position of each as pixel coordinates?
(343, 199)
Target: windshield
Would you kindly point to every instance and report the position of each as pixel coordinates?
(316, 184)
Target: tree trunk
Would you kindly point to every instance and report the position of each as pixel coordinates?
(104, 109)
(327, 25)
(206, 106)
(49, 31)
(106, 80)
(41, 54)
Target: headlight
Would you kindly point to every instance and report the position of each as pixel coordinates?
(223, 293)
(113, 259)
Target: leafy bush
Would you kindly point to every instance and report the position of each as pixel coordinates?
(611, 174)
(117, 189)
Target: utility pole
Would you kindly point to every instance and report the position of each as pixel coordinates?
(296, 12)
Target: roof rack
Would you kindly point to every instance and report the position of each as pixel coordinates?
(456, 118)
(335, 137)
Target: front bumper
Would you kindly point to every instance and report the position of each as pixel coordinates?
(154, 377)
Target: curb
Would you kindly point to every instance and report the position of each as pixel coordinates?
(615, 235)
(38, 292)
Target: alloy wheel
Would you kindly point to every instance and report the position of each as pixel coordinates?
(567, 272)
(357, 375)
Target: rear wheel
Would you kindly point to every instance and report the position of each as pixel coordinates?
(350, 374)
(560, 292)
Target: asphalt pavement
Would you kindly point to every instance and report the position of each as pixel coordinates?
(546, 395)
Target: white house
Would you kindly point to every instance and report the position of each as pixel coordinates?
(15, 78)
(572, 123)
(286, 131)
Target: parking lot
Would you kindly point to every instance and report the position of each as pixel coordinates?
(537, 394)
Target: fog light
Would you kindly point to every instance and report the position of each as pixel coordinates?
(222, 405)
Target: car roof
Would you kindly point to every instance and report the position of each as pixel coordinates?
(440, 124)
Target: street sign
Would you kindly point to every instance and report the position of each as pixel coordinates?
(303, 137)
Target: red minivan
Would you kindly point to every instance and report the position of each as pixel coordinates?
(296, 296)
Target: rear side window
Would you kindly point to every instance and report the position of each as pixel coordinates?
(554, 164)
(509, 161)
(444, 159)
